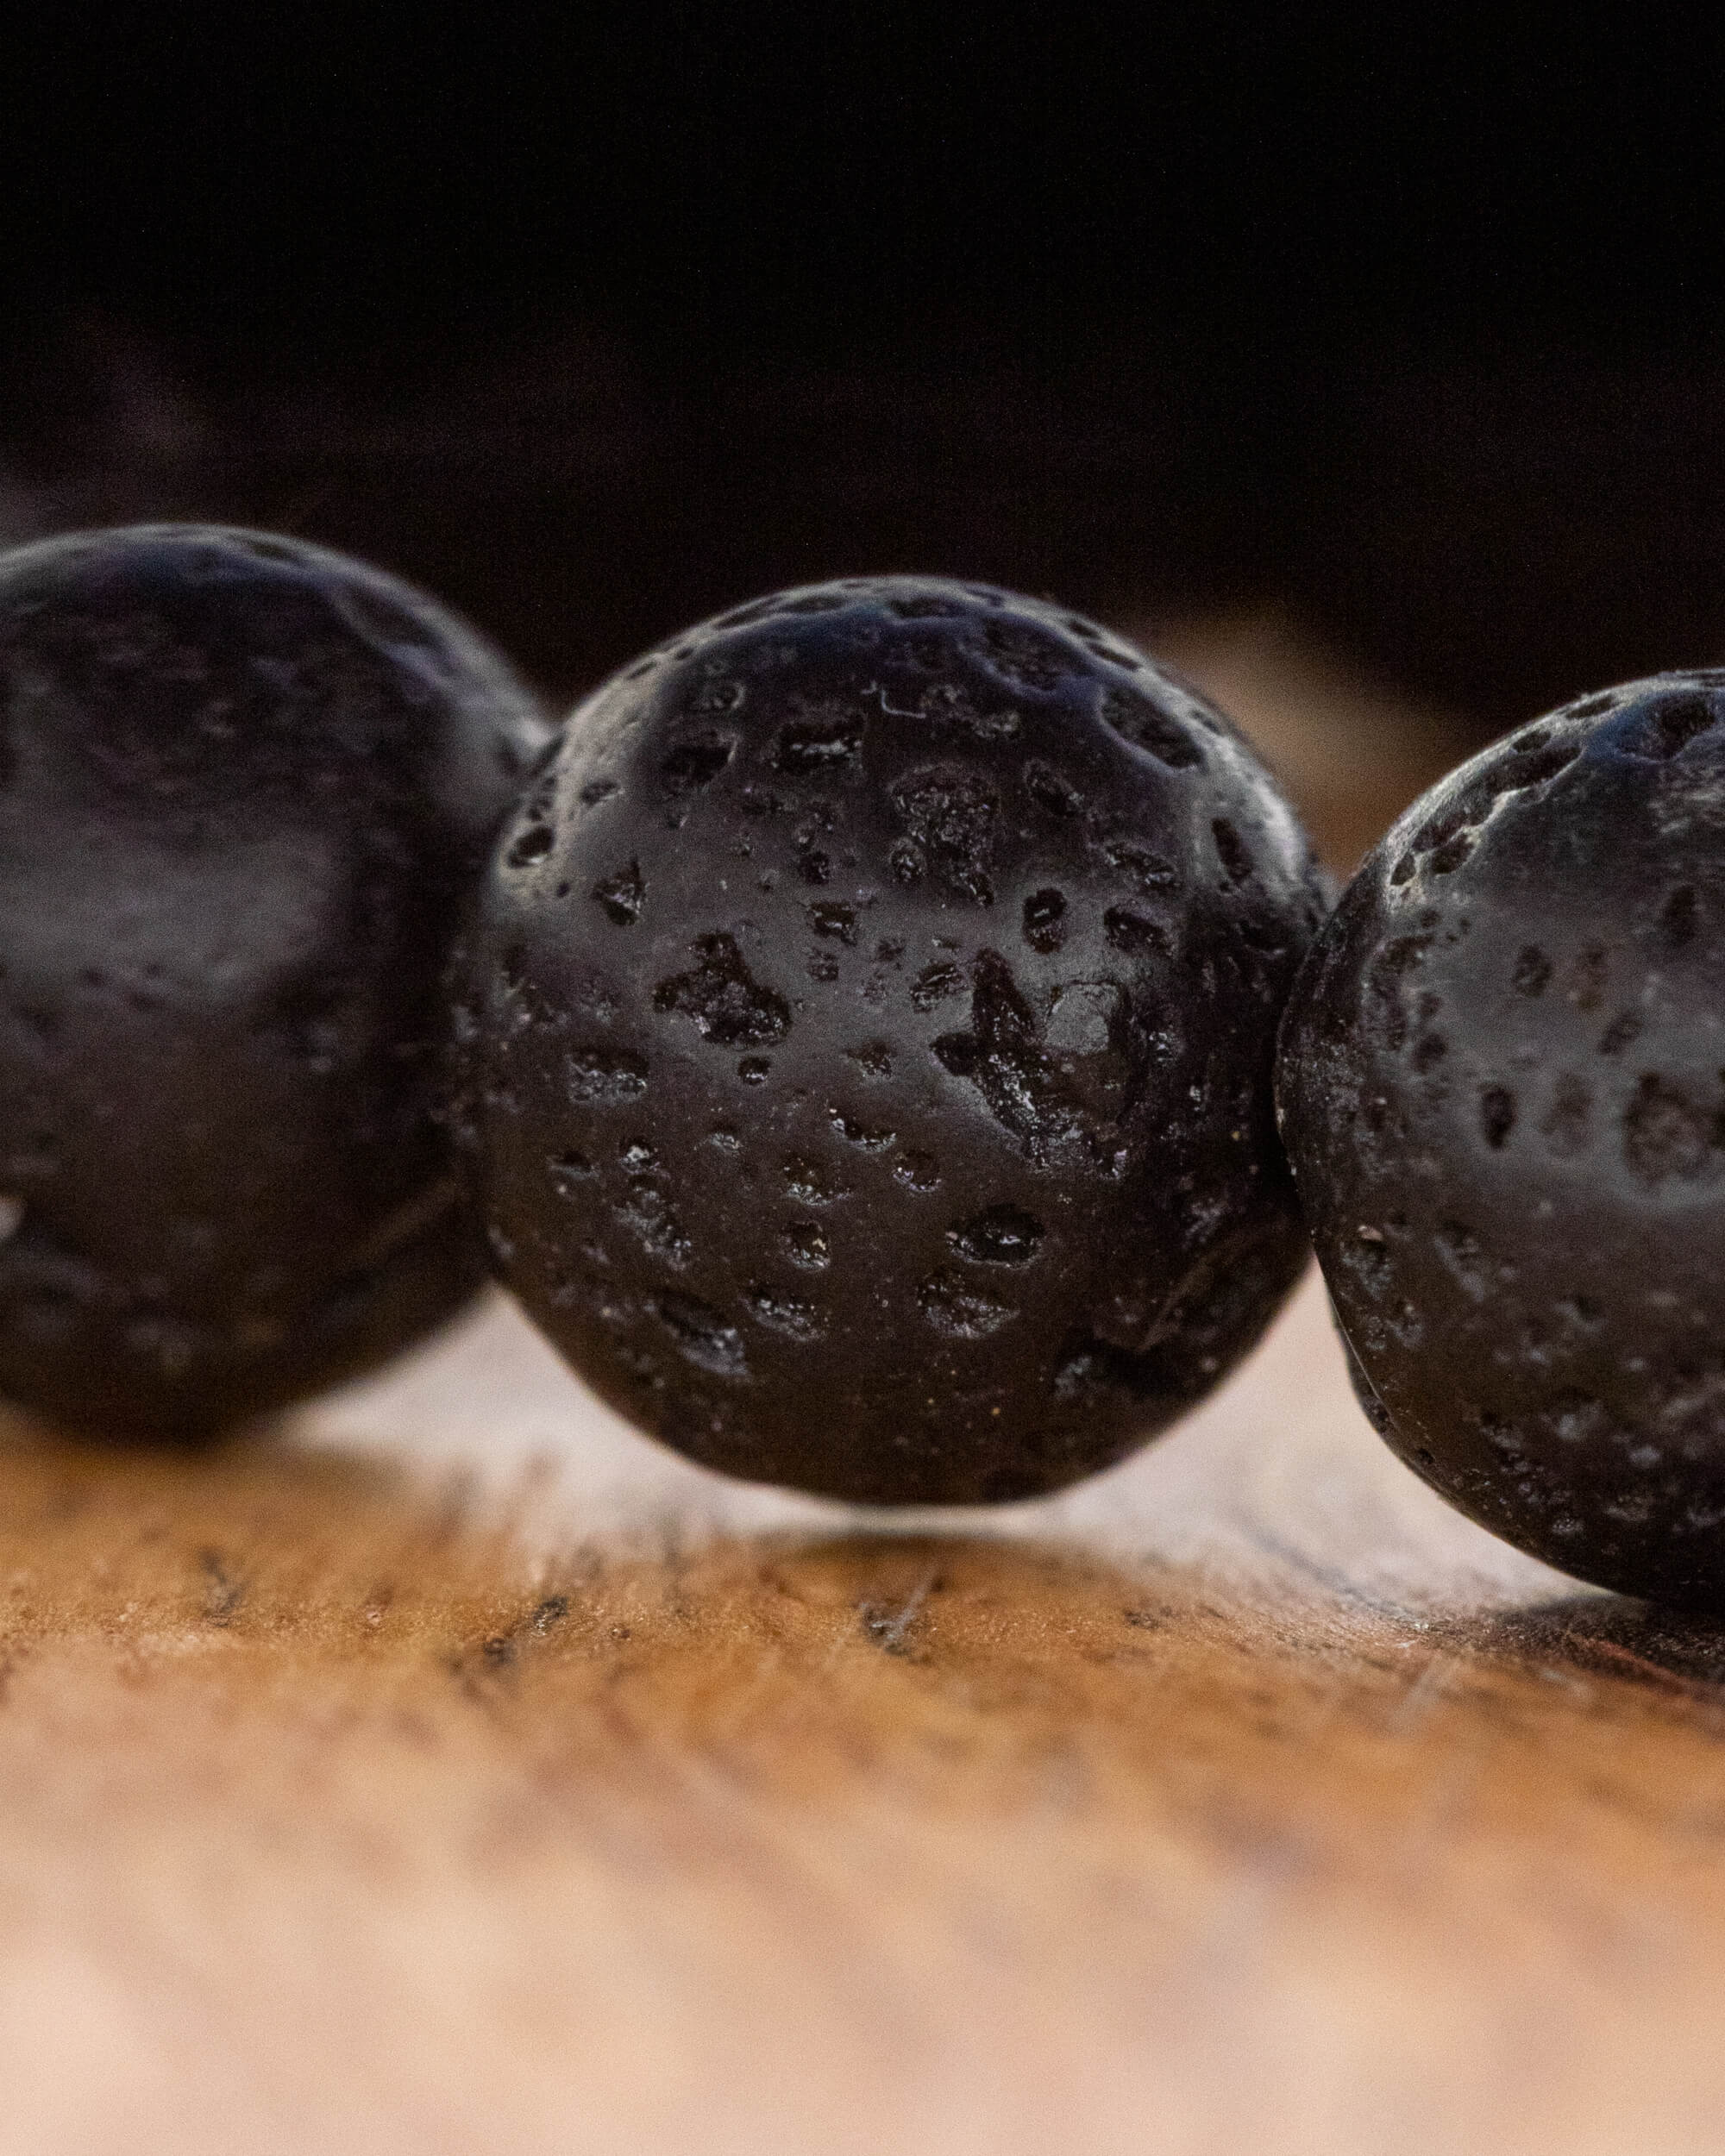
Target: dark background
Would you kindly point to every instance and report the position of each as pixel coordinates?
(597, 321)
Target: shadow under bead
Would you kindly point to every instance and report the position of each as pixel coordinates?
(246, 788)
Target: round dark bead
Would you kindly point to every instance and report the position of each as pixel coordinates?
(866, 1044)
(1502, 1082)
(245, 787)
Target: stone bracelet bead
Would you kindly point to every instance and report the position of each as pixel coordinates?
(864, 1043)
(1502, 1082)
(245, 787)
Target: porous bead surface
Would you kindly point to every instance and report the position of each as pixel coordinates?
(1502, 1082)
(246, 785)
(865, 1045)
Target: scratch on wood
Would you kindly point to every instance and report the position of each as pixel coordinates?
(1648, 1672)
(222, 1593)
(888, 1630)
(1422, 1695)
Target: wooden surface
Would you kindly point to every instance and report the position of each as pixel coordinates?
(460, 1772)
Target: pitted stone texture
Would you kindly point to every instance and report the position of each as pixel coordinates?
(1502, 1082)
(247, 787)
(968, 928)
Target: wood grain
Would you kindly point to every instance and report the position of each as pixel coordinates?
(454, 1770)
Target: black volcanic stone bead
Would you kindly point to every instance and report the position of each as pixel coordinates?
(1502, 1082)
(867, 1043)
(245, 787)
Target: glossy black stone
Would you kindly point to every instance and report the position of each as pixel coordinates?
(1502, 1082)
(245, 788)
(866, 1044)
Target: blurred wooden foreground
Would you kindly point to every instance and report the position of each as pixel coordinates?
(464, 1774)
